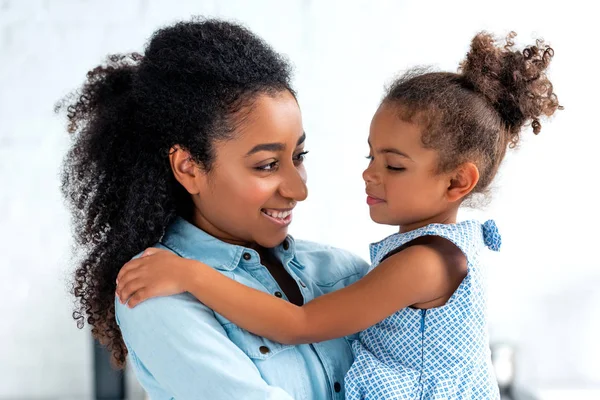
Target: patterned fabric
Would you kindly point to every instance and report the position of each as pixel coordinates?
(440, 353)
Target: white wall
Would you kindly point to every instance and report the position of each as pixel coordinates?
(543, 283)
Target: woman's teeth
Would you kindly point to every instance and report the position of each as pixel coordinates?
(277, 214)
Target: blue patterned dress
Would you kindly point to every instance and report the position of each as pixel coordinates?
(440, 353)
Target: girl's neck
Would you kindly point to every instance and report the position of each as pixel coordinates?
(445, 217)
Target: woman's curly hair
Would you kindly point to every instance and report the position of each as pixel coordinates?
(477, 113)
(186, 89)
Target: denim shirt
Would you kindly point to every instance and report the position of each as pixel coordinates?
(181, 349)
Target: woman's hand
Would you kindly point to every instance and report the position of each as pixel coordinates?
(155, 273)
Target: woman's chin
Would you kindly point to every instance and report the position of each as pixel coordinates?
(273, 240)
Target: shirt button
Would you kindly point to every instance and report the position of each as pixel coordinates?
(264, 349)
(278, 294)
(337, 387)
(247, 256)
(286, 244)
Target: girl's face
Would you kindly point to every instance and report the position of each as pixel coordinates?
(257, 178)
(402, 184)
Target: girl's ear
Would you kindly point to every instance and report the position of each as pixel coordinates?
(462, 182)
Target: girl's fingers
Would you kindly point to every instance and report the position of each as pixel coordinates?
(129, 276)
(150, 251)
(125, 291)
(128, 267)
(139, 296)
(137, 262)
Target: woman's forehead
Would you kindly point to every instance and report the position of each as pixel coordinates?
(270, 119)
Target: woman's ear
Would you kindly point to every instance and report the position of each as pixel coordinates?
(187, 172)
(462, 182)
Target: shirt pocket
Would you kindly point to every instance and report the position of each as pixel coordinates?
(329, 280)
(333, 283)
(255, 347)
(279, 364)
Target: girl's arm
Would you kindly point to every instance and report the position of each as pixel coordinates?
(418, 274)
(176, 340)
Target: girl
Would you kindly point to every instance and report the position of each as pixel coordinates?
(435, 141)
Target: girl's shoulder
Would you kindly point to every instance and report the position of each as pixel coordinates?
(469, 236)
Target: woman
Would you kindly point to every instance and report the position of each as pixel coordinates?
(197, 147)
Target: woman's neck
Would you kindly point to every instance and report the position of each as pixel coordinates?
(202, 223)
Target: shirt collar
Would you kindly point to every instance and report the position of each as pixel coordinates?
(189, 241)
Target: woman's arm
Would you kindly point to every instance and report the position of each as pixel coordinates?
(415, 275)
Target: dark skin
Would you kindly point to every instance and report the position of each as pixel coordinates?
(257, 173)
(404, 189)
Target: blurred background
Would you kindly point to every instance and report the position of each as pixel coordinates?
(544, 302)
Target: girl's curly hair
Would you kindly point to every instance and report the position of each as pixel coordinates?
(477, 113)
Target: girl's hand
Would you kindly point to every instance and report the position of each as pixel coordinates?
(156, 273)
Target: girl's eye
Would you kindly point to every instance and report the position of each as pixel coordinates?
(395, 168)
(369, 157)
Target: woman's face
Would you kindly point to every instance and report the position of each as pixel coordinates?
(257, 178)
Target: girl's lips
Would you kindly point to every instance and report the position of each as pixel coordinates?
(371, 201)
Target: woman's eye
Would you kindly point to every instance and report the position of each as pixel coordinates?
(268, 167)
(299, 159)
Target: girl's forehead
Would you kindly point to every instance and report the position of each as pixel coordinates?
(388, 128)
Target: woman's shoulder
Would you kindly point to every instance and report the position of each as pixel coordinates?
(159, 316)
(153, 310)
(332, 262)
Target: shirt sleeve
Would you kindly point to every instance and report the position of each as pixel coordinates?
(353, 264)
(177, 342)
(361, 266)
